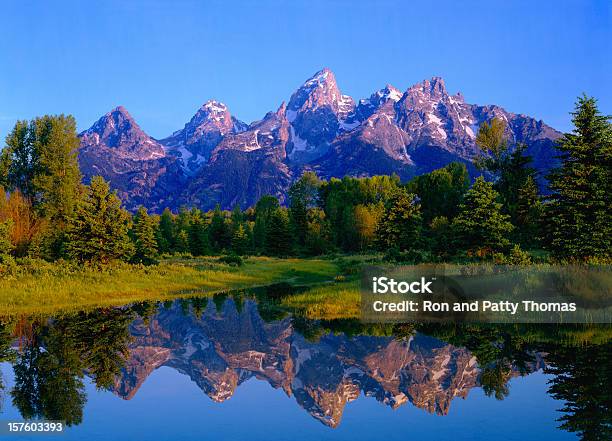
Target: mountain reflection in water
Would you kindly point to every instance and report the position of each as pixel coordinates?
(322, 366)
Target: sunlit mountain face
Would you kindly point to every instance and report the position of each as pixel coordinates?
(218, 159)
(73, 366)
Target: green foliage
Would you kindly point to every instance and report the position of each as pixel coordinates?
(440, 236)
(278, 235)
(480, 227)
(529, 214)
(231, 259)
(6, 245)
(197, 240)
(339, 197)
(41, 158)
(441, 191)
(400, 225)
(144, 238)
(580, 206)
(240, 241)
(219, 234)
(492, 142)
(303, 196)
(263, 213)
(516, 257)
(98, 229)
(165, 233)
(318, 233)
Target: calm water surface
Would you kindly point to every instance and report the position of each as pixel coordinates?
(226, 370)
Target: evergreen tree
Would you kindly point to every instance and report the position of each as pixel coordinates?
(278, 236)
(218, 231)
(580, 211)
(144, 238)
(237, 217)
(98, 229)
(182, 242)
(514, 172)
(400, 226)
(529, 214)
(198, 236)
(240, 241)
(440, 236)
(165, 232)
(303, 196)
(480, 226)
(263, 212)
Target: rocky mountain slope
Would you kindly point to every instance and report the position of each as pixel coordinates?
(136, 165)
(216, 158)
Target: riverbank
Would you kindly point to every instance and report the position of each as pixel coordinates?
(37, 286)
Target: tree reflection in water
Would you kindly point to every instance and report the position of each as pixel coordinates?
(321, 363)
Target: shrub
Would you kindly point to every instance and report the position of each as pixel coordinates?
(231, 259)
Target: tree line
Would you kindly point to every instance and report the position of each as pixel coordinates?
(438, 216)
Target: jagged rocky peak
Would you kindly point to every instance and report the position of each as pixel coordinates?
(194, 143)
(368, 106)
(320, 90)
(270, 133)
(317, 112)
(118, 130)
(434, 88)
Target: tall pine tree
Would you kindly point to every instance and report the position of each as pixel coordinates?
(144, 238)
(400, 226)
(580, 212)
(98, 228)
(481, 227)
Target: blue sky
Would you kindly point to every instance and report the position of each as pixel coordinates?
(162, 60)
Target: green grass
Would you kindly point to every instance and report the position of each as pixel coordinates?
(339, 300)
(45, 287)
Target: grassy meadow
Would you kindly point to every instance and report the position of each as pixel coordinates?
(47, 287)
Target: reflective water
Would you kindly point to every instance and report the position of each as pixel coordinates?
(237, 370)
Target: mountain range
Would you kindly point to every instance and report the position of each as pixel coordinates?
(217, 159)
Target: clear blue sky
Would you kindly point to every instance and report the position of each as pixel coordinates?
(162, 60)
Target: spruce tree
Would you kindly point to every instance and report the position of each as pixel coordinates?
(529, 214)
(98, 228)
(182, 242)
(240, 241)
(218, 231)
(303, 196)
(579, 212)
(400, 226)
(165, 232)
(198, 237)
(263, 212)
(481, 227)
(278, 235)
(144, 238)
